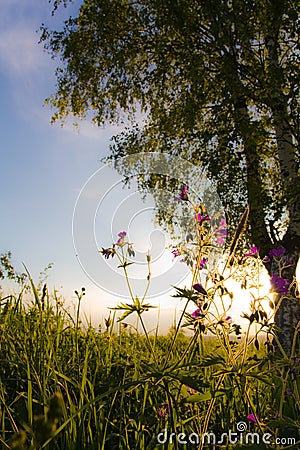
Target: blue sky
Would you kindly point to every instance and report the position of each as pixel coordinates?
(44, 166)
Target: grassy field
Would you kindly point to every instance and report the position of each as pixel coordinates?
(65, 387)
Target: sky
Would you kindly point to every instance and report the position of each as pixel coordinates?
(54, 187)
(45, 168)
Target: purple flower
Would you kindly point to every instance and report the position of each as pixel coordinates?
(223, 223)
(201, 219)
(202, 263)
(199, 288)
(183, 195)
(121, 235)
(221, 235)
(288, 261)
(253, 251)
(197, 313)
(253, 418)
(279, 285)
(221, 232)
(175, 253)
(228, 319)
(277, 252)
(163, 411)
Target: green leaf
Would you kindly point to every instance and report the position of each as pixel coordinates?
(185, 293)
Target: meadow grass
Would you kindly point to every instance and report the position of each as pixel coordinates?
(67, 387)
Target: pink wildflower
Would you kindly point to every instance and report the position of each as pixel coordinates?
(175, 253)
(277, 252)
(121, 235)
(202, 263)
(197, 313)
(201, 219)
(279, 285)
(253, 251)
(221, 232)
(253, 418)
(183, 195)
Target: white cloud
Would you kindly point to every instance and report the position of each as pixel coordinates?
(19, 52)
(29, 70)
(23, 63)
(89, 130)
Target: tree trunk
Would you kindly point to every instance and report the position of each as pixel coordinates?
(288, 312)
(288, 315)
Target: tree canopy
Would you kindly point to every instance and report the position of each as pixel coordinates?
(215, 81)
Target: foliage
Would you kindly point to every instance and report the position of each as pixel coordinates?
(216, 81)
(8, 271)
